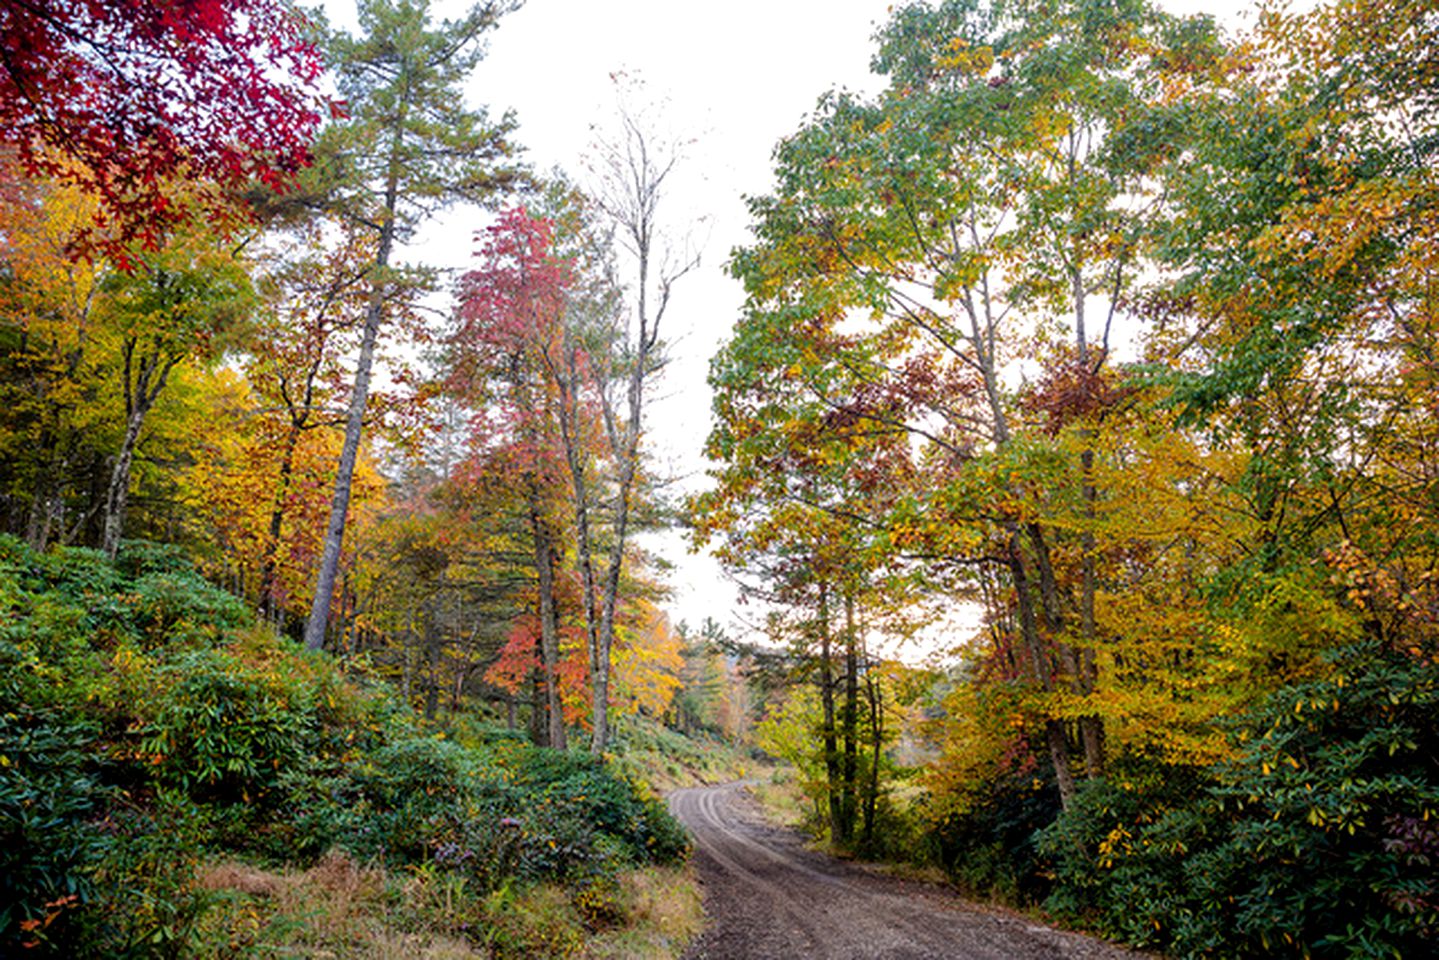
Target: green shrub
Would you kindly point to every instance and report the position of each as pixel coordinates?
(1318, 839)
(183, 609)
(147, 722)
(990, 849)
(1116, 856)
(423, 796)
(147, 904)
(139, 558)
(600, 900)
(81, 872)
(1332, 803)
(78, 574)
(523, 812)
(539, 921)
(51, 842)
(899, 834)
(221, 733)
(577, 791)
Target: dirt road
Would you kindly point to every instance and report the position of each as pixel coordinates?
(768, 898)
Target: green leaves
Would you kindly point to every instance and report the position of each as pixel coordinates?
(410, 138)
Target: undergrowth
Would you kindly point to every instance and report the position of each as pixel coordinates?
(175, 780)
(646, 751)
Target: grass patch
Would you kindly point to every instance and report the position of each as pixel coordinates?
(648, 752)
(339, 908)
(663, 915)
(783, 800)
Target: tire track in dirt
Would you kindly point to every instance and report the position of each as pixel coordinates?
(769, 898)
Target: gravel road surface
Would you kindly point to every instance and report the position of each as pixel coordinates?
(768, 898)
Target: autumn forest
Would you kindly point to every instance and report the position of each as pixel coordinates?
(1095, 354)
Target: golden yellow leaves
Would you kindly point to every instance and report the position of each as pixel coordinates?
(648, 665)
(1334, 229)
(961, 57)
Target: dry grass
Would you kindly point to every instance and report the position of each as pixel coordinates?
(664, 915)
(782, 799)
(340, 909)
(337, 908)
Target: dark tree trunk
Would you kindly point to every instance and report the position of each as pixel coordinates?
(140, 393)
(539, 719)
(831, 745)
(876, 726)
(1039, 654)
(269, 566)
(549, 626)
(849, 722)
(432, 663)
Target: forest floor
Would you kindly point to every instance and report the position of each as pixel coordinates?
(767, 896)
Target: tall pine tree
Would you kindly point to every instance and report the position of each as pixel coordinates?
(411, 145)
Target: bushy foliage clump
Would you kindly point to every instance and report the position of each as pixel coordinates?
(989, 849)
(147, 722)
(1318, 838)
(511, 811)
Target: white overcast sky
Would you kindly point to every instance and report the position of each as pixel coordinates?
(734, 78)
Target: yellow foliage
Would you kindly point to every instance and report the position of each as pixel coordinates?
(648, 664)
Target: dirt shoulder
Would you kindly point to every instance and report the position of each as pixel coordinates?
(768, 897)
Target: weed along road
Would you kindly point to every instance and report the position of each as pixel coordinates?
(768, 898)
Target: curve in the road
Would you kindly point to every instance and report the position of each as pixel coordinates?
(768, 898)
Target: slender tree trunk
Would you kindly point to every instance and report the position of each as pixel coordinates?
(409, 668)
(539, 711)
(44, 494)
(118, 494)
(600, 685)
(831, 744)
(630, 200)
(316, 625)
(47, 501)
(628, 456)
(37, 518)
(549, 624)
(876, 726)
(568, 378)
(982, 340)
(1055, 738)
(139, 398)
(268, 564)
(1091, 725)
(849, 721)
(432, 662)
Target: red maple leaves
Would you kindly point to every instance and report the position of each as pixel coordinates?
(122, 96)
(509, 327)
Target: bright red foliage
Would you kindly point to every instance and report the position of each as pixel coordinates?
(519, 660)
(123, 95)
(509, 324)
(518, 292)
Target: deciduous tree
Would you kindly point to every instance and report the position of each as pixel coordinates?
(630, 172)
